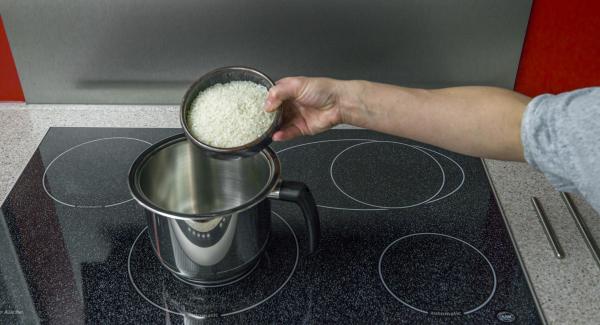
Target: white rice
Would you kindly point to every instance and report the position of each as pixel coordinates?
(230, 115)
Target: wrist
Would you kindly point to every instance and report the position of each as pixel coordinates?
(352, 102)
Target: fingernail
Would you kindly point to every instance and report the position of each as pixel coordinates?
(268, 104)
(276, 136)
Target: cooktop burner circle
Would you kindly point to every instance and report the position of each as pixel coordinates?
(435, 274)
(418, 195)
(454, 177)
(74, 176)
(163, 290)
(448, 178)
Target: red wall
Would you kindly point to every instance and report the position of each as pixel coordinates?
(10, 86)
(562, 47)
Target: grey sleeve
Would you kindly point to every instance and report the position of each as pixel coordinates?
(561, 137)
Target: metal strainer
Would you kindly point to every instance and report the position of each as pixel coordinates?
(224, 75)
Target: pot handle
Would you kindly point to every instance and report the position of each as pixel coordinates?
(299, 193)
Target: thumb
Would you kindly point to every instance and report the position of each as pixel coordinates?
(284, 89)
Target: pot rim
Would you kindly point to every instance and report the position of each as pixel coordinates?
(139, 196)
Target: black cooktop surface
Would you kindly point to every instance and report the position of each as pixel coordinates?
(410, 234)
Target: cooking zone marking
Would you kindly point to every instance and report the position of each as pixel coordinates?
(195, 316)
(364, 141)
(438, 313)
(75, 147)
(380, 206)
(462, 172)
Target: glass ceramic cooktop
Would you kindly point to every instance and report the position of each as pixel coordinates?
(410, 234)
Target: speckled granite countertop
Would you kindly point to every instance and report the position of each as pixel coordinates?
(568, 289)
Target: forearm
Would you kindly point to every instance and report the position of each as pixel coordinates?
(477, 121)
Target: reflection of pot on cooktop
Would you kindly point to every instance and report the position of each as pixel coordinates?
(365, 174)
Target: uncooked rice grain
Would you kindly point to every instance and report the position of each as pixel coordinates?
(230, 115)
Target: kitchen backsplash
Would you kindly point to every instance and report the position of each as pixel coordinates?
(149, 52)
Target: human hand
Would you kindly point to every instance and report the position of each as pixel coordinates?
(310, 105)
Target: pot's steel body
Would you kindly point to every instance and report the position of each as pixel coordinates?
(212, 251)
(209, 219)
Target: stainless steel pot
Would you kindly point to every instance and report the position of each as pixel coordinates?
(209, 219)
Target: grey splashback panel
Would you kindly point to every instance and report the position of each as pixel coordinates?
(148, 52)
